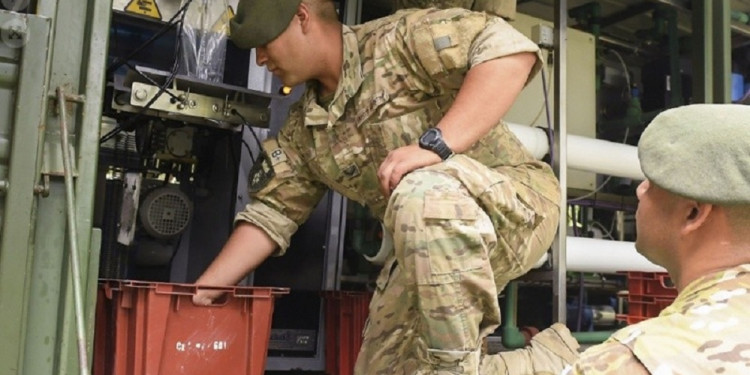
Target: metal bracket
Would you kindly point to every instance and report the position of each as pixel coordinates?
(4, 185)
(43, 189)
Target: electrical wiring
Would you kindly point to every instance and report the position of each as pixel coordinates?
(168, 26)
(624, 66)
(604, 183)
(546, 88)
(162, 88)
(550, 135)
(252, 131)
(625, 138)
(247, 146)
(605, 232)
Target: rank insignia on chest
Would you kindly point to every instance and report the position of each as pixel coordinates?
(351, 171)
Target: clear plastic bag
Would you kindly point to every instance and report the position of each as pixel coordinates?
(204, 39)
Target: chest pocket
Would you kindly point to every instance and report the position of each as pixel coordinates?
(343, 163)
(404, 130)
(381, 137)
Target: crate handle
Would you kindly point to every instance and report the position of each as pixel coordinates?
(666, 282)
(219, 301)
(110, 286)
(175, 289)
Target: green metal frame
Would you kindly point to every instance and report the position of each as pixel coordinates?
(16, 245)
(36, 285)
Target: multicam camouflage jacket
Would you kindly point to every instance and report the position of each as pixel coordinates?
(400, 75)
(706, 330)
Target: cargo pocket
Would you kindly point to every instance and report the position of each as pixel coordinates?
(514, 221)
(453, 244)
(381, 283)
(513, 218)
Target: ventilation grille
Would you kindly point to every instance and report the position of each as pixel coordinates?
(166, 212)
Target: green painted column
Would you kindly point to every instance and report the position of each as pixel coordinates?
(712, 51)
(702, 47)
(722, 51)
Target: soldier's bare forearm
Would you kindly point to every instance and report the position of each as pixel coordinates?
(486, 95)
(246, 249)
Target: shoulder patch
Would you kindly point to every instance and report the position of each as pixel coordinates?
(261, 172)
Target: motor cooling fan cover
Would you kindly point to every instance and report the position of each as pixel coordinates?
(166, 212)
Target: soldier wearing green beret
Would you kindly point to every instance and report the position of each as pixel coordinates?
(694, 220)
(404, 115)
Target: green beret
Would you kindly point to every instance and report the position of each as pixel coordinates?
(258, 22)
(701, 152)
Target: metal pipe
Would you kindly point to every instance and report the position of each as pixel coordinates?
(592, 337)
(583, 153)
(619, 43)
(73, 234)
(596, 255)
(560, 163)
(512, 337)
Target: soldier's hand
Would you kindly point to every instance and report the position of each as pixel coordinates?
(400, 162)
(206, 297)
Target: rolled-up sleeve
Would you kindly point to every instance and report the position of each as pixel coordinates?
(282, 203)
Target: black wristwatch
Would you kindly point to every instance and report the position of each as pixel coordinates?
(432, 139)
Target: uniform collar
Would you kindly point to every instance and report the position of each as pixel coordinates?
(349, 83)
(716, 278)
(713, 280)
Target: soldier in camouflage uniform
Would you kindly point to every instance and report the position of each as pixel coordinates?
(693, 219)
(468, 209)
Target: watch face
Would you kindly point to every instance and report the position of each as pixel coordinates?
(429, 137)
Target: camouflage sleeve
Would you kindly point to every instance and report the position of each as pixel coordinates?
(282, 191)
(500, 39)
(446, 43)
(609, 358)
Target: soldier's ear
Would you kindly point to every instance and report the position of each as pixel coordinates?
(303, 16)
(696, 215)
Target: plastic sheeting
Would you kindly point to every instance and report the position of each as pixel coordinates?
(204, 39)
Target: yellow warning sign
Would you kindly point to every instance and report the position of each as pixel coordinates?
(146, 8)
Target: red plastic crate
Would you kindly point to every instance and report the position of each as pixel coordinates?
(147, 328)
(652, 284)
(641, 308)
(630, 319)
(346, 314)
(646, 306)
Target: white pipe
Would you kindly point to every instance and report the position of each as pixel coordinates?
(595, 255)
(585, 154)
(605, 157)
(534, 139)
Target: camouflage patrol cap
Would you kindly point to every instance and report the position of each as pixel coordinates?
(701, 152)
(258, 22)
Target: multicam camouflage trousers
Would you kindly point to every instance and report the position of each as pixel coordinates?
(461, 231)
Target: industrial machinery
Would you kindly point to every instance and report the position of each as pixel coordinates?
(162, 118)
(171, 144)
